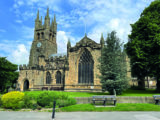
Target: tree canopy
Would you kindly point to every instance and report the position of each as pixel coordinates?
(8, 74)
(113, 66)
(143, 46)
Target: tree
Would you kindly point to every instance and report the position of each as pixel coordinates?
(112, 65)
(143, 46)
(8, 74)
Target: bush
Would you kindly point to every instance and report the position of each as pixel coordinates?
(21, 104)
(34, 105)
(44, 99)
(30, 102)
(118, 85)
(39, 107)
(13, 100)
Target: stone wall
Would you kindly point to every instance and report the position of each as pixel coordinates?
(71, 76)
(120, 99)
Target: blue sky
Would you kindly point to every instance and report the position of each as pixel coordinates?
(99, 16)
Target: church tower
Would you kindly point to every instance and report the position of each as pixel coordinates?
(44, 43)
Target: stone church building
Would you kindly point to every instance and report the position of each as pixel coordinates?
(74, 71)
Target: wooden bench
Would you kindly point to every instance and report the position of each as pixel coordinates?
(56, 88)
(157, 99)
(104, 99)
(44, 88)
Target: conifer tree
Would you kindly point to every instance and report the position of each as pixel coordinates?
(112, 65)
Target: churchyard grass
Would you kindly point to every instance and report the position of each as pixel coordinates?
(147, 92)
(35, 94)
(118, 107)
(128, 92)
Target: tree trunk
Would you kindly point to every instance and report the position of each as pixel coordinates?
(148, 81)
(158, 84)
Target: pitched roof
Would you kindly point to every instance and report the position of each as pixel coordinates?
(86, 42)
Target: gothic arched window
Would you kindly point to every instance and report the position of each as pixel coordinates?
(48, 78)
(85, 68)
(58, 77)
(38, 36)
(42, 34)
(50, 36)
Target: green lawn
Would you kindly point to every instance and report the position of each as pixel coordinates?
(71, 94)
(144, 93)
(119, 107)
(129, 92)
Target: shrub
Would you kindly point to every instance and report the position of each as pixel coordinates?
(39, 107)
(34, 105)
(13, 100)
(30, 102)
(44, 99)
(21, 104)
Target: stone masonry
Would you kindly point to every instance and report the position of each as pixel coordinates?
(51, 71)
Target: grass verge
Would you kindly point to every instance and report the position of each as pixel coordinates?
(35, 94)
(128, 92)
(142, 93)
(118, 107)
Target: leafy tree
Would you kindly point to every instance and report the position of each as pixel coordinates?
(112, 68)
(143, 46)
(8, 74)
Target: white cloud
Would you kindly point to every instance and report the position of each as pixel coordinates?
(104, 16)
(20, 55)
(62, 39)
(27, 32)
(100, 16)
(15, 51)
(18, 21)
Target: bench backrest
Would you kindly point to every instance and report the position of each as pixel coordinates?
(105, 97)
(156, 96)
(110, 96)
(94, 97)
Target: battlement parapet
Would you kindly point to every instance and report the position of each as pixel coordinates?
(27, 67)
(24, 67)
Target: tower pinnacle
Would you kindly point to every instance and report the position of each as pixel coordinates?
(68, 43)
(47, 19)
(48, 12)
(54, 19)
(38, 15)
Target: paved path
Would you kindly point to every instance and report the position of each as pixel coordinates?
(80, 116)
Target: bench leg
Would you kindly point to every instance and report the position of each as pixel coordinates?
(157, 102)
(94, 102)
(104, 103)
(115, 102)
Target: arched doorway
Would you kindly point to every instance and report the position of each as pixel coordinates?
(58, 77)
(26, 85)
(85, 68)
